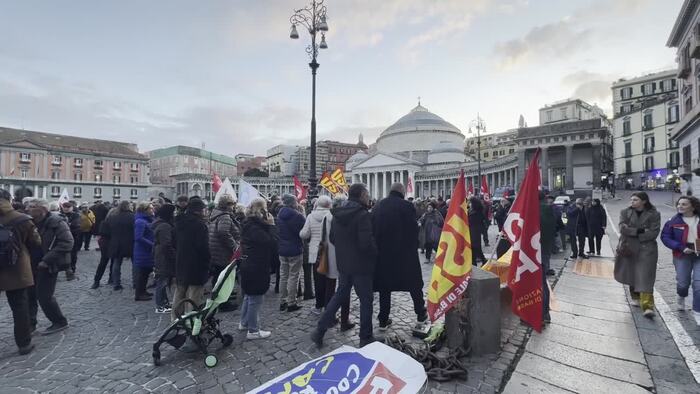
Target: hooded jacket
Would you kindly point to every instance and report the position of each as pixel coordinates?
(56, 242)
(143, 241)
(289, 223)
(192, 250)
(20, 275)
(352, 235)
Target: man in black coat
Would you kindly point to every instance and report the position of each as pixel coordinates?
(356, 254)
(119, 230)
(398, 266)
(192, 256)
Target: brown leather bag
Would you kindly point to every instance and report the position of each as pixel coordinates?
(322, 256)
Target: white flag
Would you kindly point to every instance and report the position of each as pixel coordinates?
(226, 188)
(246, 192)
(64, 197)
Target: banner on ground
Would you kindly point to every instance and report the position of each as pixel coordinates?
(375, 368)
(339, 178)
(522, 227)
(64, 197)
(328, 184)
(299, 190)
(453, 263)
(246, 192)
(225, 188)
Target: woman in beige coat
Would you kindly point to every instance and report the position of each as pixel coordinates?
(637, 253)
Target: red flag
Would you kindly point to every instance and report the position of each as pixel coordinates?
(409, 187)
(470, 190)
(453, 262)
(522, 227)
(299, 190)
(485, 189)
(215, 183)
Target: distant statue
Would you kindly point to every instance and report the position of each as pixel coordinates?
(521, 122)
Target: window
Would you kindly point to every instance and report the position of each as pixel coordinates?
(648, 144)
(56, 160)
(626, 93)
(674, 159)
(628, 148)
(486, 154)
(134, 194)
(116, 178)
(98, 164)
(98, 192)
(117, 165)
(24, 173)
(673, 113)
(77, 191)
(628, 166)
(55, 191)
(511, 150)
(98, 177)
(117, 193)
(549, 116)
(134, 166)
(78, 176)
(626, 127)
(25, 157)
(686, 156)
(649, 163)
(56, 174)
(648, 122)
(563, 113)
(688, 104)
(648, 88)
(134, 179)
(78, 162)
(668, 85)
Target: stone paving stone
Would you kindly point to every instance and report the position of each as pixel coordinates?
(523, 384)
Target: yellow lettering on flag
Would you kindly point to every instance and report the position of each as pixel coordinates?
(453, 262)
(339, 178)
(329, 185)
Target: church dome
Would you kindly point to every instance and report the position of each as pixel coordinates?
(358, 157)
(415, 134)
(446, 151)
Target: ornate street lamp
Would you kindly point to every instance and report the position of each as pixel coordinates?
(480, 127)
(313, 19)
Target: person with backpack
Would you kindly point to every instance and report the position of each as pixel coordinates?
(224, 238)
(17, 236)
(51, 257)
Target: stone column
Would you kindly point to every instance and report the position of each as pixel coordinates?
(522, 164)
(36, 191)
(12, 190)
(544, 165)
(569, 167)
(43, 192)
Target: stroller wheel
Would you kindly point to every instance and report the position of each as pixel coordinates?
(156, 358)
(211, 361)
(227, 340)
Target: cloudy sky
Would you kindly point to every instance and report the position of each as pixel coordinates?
(225, 73)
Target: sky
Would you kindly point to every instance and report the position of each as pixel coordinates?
(224, 73)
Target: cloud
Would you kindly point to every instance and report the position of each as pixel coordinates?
(591, 87)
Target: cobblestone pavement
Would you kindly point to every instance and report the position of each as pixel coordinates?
(107, 347)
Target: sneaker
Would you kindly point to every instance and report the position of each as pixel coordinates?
(346, 326)
(95, 285)
(573, 257)
(383, 326)
(293, 308)
(317, 338)
(634, 302)
(26, 349)
(680, 301)
(54, 328)
(317, 311)
(260, 334)
(422, 318)
(697, 317)
(649, 313)
(584, 256)
(163, 309)
(551, 272)
(241, 327)
(283, 307)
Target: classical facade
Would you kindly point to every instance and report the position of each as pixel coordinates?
(569, 110)
(37, 164)
(646, 110)
(201, 185)
(428, 150)
(685, 36)
(176, 160)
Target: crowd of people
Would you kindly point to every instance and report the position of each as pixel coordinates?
(319, 252)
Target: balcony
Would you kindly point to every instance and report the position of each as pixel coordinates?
(98, 166)
(78, 164)
(56, 163)
(646, 127)
(695, 43)
(25, 160)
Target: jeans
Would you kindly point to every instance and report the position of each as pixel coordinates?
(250, 310)
(194, 293)
(117, 270)
(545, 287)
(325, 290)
(594, 243)
(289, 278)
(385, 304)
(161, 292)
(687, 269)
(364, 291)
(85, 238)
(42, 293)
(20, 314)
(104, 259)
(141, 275)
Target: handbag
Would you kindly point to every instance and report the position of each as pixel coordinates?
(623, 248)
(322, 256)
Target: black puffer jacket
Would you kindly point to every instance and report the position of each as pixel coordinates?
(192, 250)
(163, 247)
(224, 236)
(351, 233)
(259, 242)
(56, 243)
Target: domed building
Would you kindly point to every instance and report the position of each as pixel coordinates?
(424, 152)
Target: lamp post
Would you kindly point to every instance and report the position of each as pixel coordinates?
(480, 127)
(313, 19)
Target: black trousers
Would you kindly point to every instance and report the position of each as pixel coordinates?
(77, 238)
(141, 279)
(42, 293)
(325, 290)
(20, 314)
(594, 243)
(308, 287)
(85, 240)
(578, 244)
(104, 259)
(385, 304)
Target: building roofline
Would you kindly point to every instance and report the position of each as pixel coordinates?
(648, 77)
(679, 27)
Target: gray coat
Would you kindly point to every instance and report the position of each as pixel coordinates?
(639, 270)
(224, 236)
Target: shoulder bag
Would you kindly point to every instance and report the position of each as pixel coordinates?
(322, 256)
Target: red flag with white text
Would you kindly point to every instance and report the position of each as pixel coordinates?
(522, 228)
(470, 190)
(299, 191)
(215, 183)
(485, 189)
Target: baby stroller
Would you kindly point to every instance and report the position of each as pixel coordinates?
(200, 325)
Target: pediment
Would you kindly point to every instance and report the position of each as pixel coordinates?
(24, 144)
(382, 160)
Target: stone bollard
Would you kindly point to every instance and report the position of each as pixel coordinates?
(480, 309)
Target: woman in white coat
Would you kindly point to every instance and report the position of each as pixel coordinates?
(324, 284)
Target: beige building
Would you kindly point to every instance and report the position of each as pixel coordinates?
(493, 146)
(40, 164)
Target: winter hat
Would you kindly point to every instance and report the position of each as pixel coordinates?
(165, 212)
(289, 200)
(196, 205)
